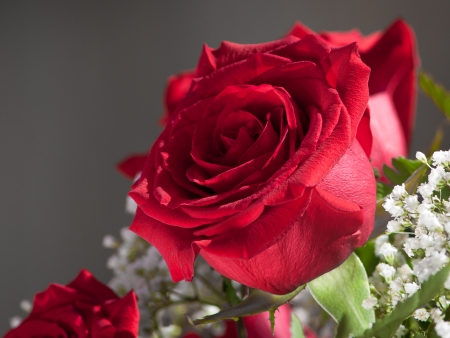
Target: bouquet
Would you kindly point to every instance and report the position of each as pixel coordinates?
(279, 201)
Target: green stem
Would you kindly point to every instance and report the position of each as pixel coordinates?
(230, 292)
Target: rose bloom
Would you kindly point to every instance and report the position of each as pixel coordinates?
(258, 326)
(393, 60)
(258, 169)
(83, 308)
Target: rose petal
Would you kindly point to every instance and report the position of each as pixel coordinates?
(174, 244)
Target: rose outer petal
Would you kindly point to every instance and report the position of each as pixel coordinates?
(320, 240)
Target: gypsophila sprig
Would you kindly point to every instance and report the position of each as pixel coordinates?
(415, 247)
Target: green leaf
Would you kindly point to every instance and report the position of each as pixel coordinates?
(403, 169)
(383, 190)
(388, 325)
(341, 292)
(382, 217)
(437, 141)
(296, 327)
(258, 301)
(436, 92)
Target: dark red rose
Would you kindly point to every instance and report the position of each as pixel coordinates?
(258, 326)
(259, 169)
(85, 308)
(393, 60)
(176, 89)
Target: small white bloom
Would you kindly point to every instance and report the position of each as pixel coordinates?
(400, 331)
(15, 322)
(404, 272)
(26, 305)
(447, 227)
(430, 221)
(425, 241)
(443, 329)
(385, 270)
(447, 283)
(130, 205)
(369, 303)
(421, 314)
(399, 191)
(411, 203)
(436, 315)
(421, 157)
(128, 236)
(110, 242)
(396, 285)
(387, 250)
(394, 226)
(390, 205)
(407, 248)
(439, 157)
(379, 241)
(444, 302)
(436, 175)
(426, 190)
(411, 288)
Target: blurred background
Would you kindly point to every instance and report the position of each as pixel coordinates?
(81, 86)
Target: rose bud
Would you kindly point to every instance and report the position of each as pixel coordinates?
(393, 60)
(83, 308)
(259, 169)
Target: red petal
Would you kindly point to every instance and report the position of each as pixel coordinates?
(132, 165)
(175, 244)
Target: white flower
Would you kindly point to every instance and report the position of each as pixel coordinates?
(443, 329)
(407, 248)
(15, 322)
(439, 157)
(394, 226)
(430, 265)
(444, 302)
(26, 305)
(430, 221)
(425, 241)
(447, 283)
(426, 190)
(436, 315)
(379, 242)
(396, 285)
(399, 191)
(390, 205)
(447, 227)
(388, 251)
(110, 242)
(400, 331)
(130, 205)
(411, 203)
(436, 175)
(411, 288)
(421, 314)
(421, 157)
(404, 272)
(385, 270)
(369, 303)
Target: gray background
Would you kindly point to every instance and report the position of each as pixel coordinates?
(81, 84)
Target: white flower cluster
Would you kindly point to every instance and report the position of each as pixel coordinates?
(416, 245)
(138, 266)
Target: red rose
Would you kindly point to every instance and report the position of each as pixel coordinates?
(258, 169)
(83, 308)
(393, 60)
(258, 326)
